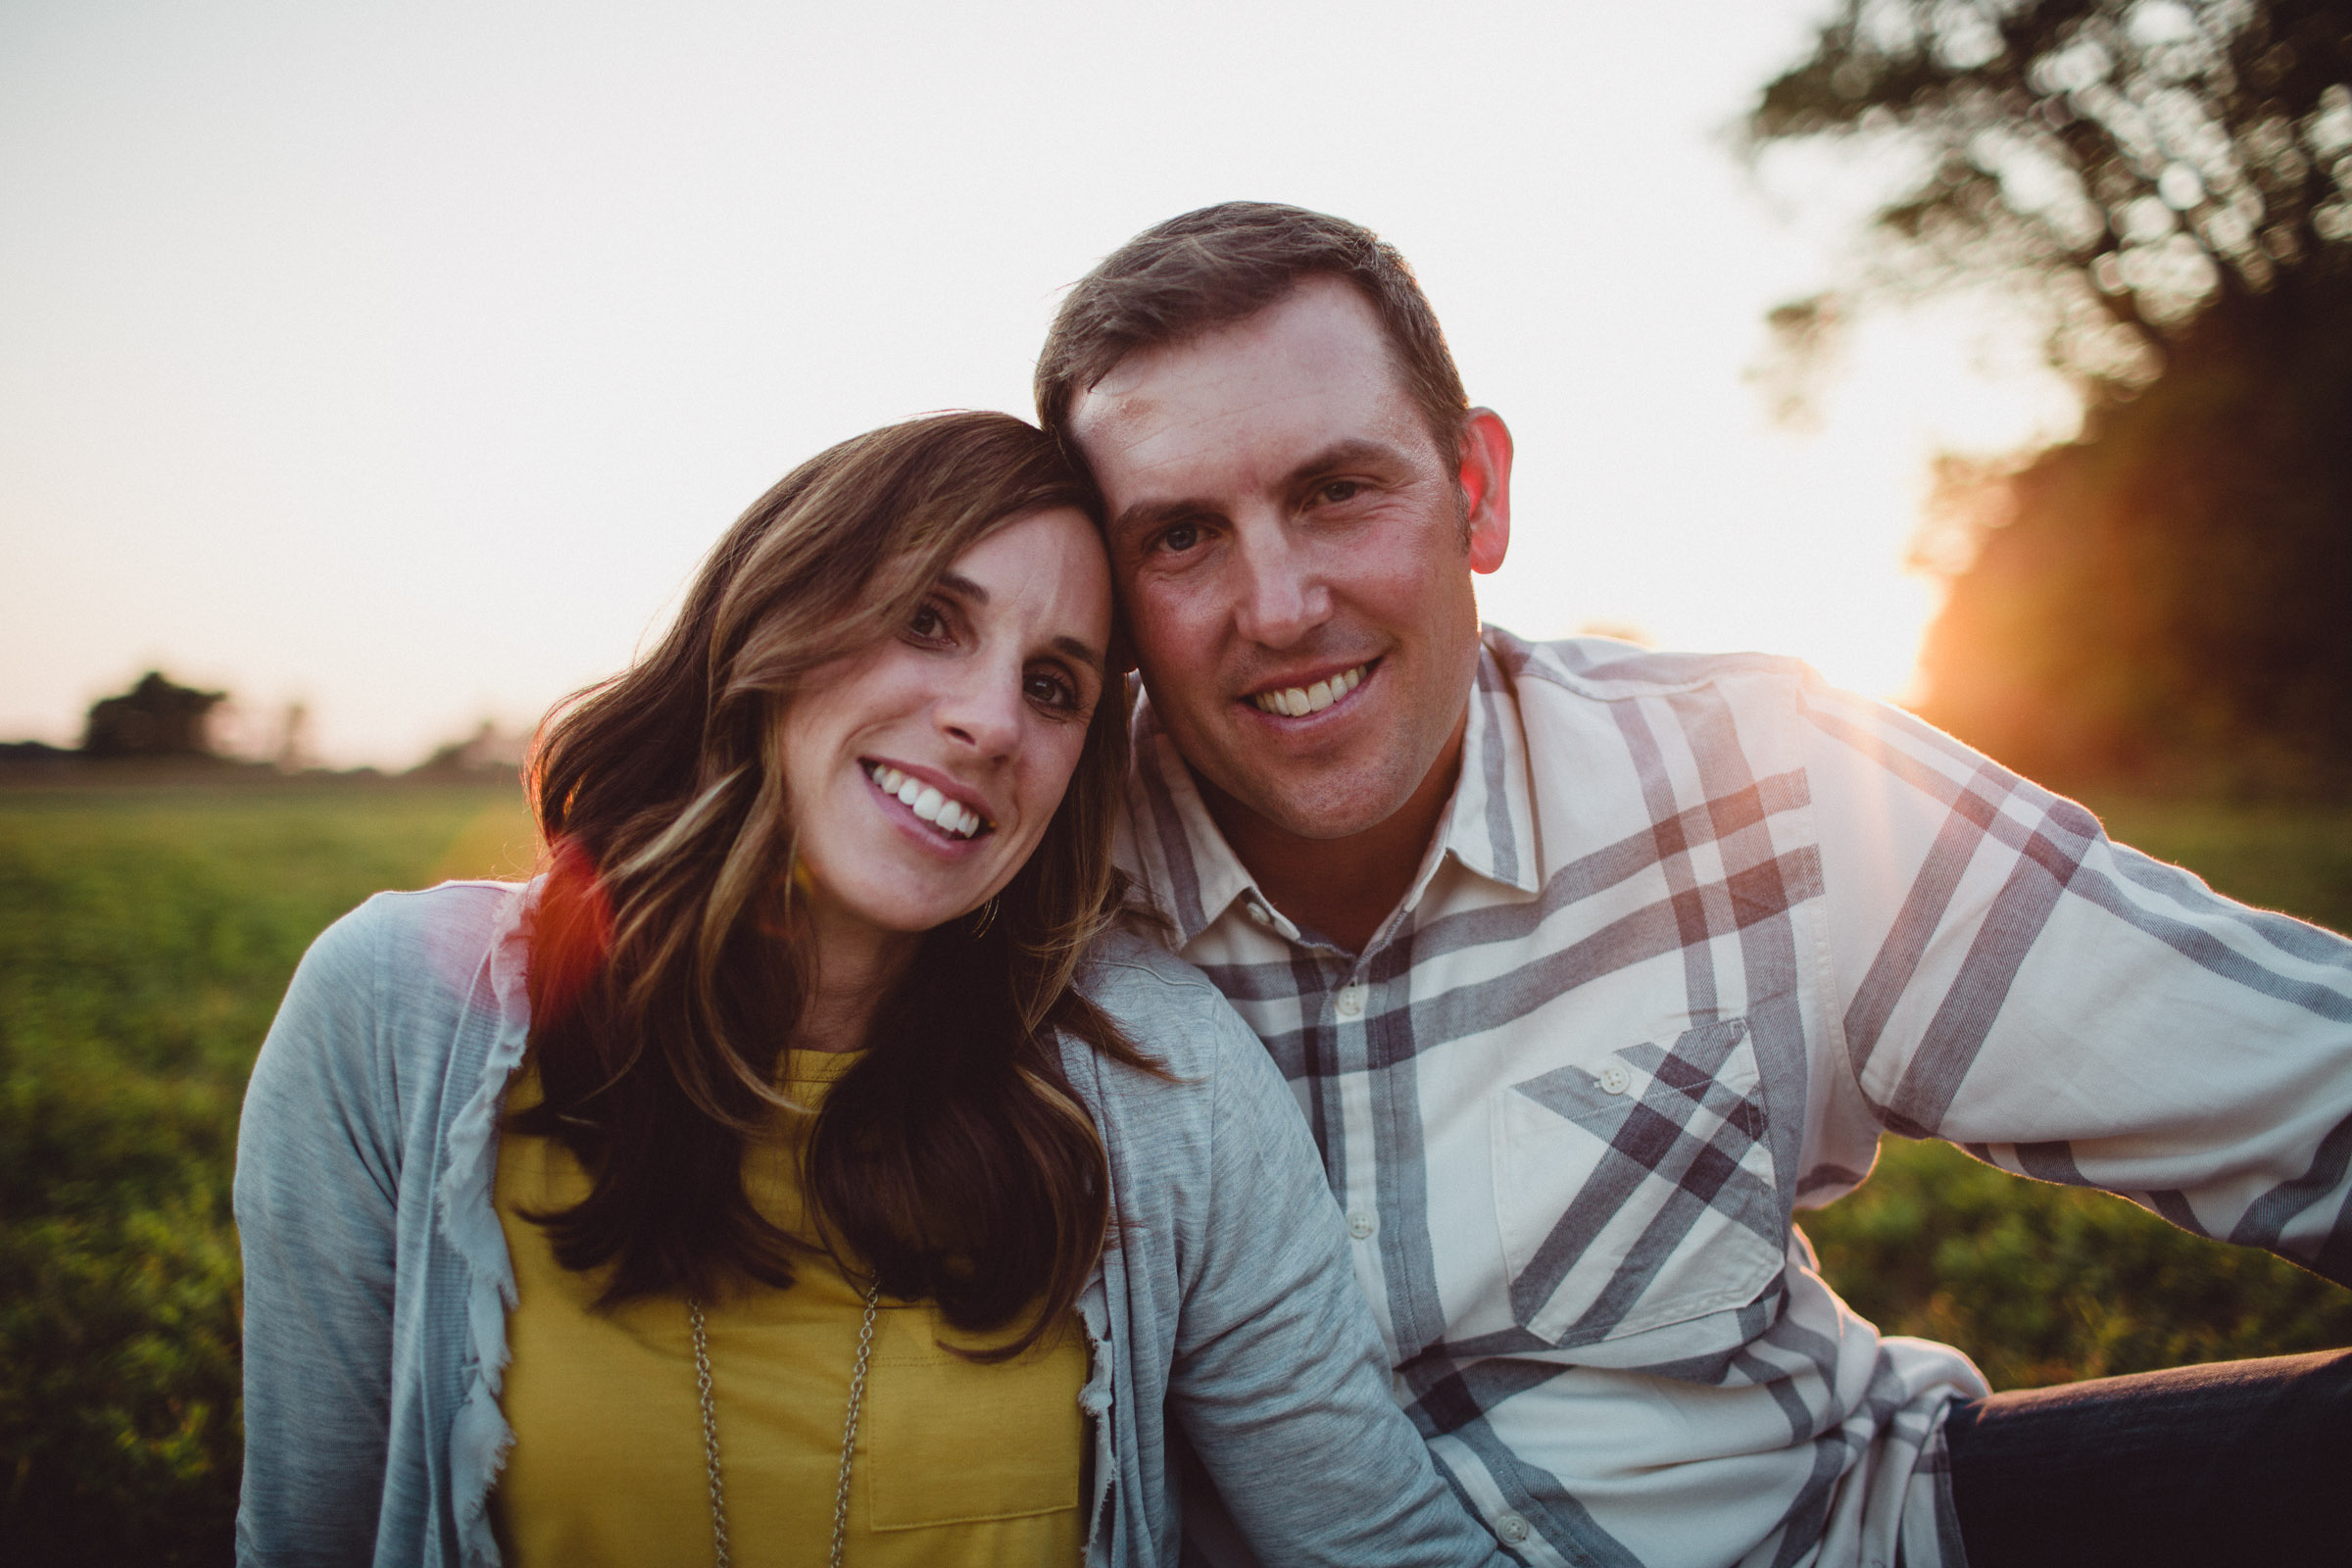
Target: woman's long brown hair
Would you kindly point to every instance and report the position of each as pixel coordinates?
(667, 974)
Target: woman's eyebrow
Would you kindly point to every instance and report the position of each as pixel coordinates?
(1078, 650)
(963, 587)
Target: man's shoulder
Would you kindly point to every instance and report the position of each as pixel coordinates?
(1607, 669)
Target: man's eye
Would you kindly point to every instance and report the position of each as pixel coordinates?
(1182, 537)
(1338, 490)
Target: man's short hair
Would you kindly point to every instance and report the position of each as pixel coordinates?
(1221, 264)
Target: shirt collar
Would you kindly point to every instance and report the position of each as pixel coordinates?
(1175, 848)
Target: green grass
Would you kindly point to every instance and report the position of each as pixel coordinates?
(2044, 1283)
(147, 934)
(145, 938)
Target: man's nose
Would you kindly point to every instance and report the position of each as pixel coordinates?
(1283, 594)
(980, 706)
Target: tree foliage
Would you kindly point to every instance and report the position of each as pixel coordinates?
(2148, 158)
(157, 718)
(2173, 179)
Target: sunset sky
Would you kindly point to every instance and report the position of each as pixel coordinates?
(402, 361)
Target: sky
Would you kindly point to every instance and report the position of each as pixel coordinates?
(401, 360)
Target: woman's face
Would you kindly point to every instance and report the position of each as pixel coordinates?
(922, 771)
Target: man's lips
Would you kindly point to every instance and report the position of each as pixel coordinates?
(1297, 702)
(956, 819)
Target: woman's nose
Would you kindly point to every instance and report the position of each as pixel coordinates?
(981, 706)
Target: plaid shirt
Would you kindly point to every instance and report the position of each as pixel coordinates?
(1693, 931)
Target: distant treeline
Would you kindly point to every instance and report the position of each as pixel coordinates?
(158, 724)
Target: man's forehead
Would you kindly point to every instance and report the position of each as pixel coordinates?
(1312, 361)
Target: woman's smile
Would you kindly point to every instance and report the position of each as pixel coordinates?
(939, 805)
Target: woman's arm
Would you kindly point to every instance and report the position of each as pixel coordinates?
(317, 1174)
(1279, 1381)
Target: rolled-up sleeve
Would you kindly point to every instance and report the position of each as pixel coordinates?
(2068, 1008)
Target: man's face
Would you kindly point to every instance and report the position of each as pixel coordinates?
(1287, 540)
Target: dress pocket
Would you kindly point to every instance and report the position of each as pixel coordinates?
(1636, 1189)
(949, 1440)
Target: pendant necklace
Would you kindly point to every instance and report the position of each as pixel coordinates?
(849, 1428)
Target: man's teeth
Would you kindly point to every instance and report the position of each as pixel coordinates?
(951, 817)
(1293, 701)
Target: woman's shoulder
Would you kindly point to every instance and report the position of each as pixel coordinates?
(412, 915)
(422, 948)
(1163, 1004)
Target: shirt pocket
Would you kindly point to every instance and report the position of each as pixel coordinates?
(949, 1440)
(1636, 1189)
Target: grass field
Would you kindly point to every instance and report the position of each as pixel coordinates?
(145, 938)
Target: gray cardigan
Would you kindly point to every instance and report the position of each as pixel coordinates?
(377, 1282)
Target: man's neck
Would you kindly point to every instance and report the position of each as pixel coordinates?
(1343, 888)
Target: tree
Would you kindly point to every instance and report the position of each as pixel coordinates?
(157, 718)
(2171, 181)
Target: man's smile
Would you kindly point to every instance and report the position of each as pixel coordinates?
(1296, 702)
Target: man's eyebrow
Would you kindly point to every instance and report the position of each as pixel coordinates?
(1344, 453)
(1146, 513)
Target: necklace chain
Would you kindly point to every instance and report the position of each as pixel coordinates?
(849, 1428)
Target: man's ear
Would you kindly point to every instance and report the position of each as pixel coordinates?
(1485, 476)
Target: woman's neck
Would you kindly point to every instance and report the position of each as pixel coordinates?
(855, 964)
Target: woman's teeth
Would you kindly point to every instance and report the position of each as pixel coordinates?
(1291, 701)
(949, 817)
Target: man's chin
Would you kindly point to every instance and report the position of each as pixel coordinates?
(1318, 808)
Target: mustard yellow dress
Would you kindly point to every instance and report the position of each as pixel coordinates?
(956, 1464)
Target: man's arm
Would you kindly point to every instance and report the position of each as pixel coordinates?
(2066, 1007)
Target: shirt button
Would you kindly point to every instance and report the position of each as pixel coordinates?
(1361, 1224)
(1261, 914)
(1615, 1080)
(1351, 1001)
(1512, 1529)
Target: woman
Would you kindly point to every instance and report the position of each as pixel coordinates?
(776, 1135)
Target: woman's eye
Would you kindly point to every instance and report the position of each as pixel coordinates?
(1051, 690)
(927, 625)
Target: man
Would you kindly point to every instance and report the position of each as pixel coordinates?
(1590, 964)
